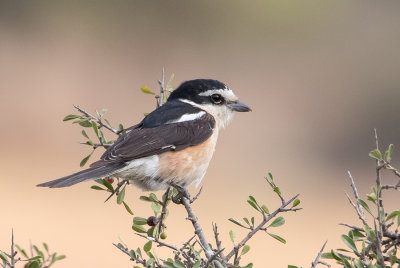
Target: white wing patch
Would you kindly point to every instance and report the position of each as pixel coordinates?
(187, 117)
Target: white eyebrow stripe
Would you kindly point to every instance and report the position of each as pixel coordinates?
(187, 117)
(226, 93)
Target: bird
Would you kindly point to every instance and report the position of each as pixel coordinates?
(171, 146)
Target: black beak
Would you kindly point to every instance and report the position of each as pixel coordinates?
(238, 106)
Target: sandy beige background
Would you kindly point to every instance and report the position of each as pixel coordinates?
(319, 75)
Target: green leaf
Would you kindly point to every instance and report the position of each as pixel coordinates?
(94, 126)
(254, 205)
(277, 237)
(364, 205)
(327, 255)
(38, 252)
(139, 221)
(370, 233)
(146, 90)
(36, 258)
(95, 187)
(153, 197)
(349, 242)
(139, 253)
(296, 202)
(237, 223)
(197, 264)
(145, 198)
(246, 220)
(253, 199)
(127, 208)
(265, 209)
(392, 259)
(147, 246)
(250, 265)
(357, 234)
(149, 262)
(132, 254)
(232, 236)
(90, 143)
(270, 175)
(85, 134)
(277, 222)
(139, 229)
(121, 196)
(252, 221)
(179, 264)
(376, 154)
(85, 123)
(61, 257)
(34, 264)
(3, 257)
(358, 264)
(277, 190)
(70, 117)
(168, 264)
(292, 266)
(46, 247)
(372, 197)
(108, 185)
(153, 232)
(156, 208)
(393, 215)
(23, 252)
(245, 249)
(388, 153)
(84, 160)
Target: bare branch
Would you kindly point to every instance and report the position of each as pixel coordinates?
(199, 231)
(358, 207)
(160, 98)
(317, 259)
(217, 240)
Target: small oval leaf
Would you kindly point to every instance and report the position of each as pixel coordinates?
(277, 222)
(146, 90)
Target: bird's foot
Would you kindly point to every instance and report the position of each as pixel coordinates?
(182, 193)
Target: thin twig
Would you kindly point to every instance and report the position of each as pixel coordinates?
(197, 195)
(96, 119)
(317, 259)
(217, 240)
(213, 257)
(125, 250)
(163, 211)
(160, 243)
(360, 209)
(160, 98)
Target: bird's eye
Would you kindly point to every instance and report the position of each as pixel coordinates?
(216, 98)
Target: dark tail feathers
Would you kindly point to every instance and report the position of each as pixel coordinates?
(84, 175)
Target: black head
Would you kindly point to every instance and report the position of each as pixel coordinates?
(208, 92)
(191, 90)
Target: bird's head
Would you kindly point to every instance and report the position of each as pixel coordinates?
(212, 96)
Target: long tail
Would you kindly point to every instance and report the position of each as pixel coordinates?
(84, 175)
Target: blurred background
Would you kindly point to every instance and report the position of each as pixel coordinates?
(319, 75)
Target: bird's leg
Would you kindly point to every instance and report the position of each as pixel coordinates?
(182, 192)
